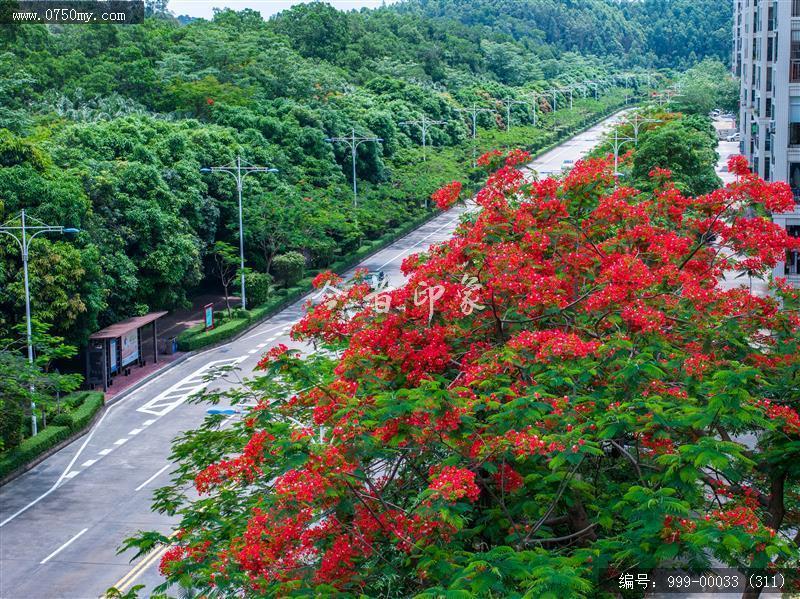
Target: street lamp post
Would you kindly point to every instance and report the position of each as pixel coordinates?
(473, 112)
(23, 239)
(636, 121)
(424, 123)
(618, 143)
(239, 172)
(353, 142)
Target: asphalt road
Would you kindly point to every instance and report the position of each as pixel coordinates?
(62, 522)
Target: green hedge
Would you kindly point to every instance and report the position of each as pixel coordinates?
(84, 406)
(196, 337)
(32, 448)
(85, 403)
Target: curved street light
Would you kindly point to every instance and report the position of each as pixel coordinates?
(239, 172)
(23, 234)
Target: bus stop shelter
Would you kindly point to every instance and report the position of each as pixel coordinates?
(113, 350)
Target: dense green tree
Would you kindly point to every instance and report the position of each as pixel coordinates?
(688, 152)
(706, 86)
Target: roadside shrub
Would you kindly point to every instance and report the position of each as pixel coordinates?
(289, 267)
(259, 287)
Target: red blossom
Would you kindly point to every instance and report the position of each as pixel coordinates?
(452, 484)
(447, 195)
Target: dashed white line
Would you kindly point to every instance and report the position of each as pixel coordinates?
(64, 546)
(120, 441)
(252, 351)
(148, 422)
(261, 345)
(72, 474)
(149, 480)
(135, 431)
(106, 451)
(88, 463)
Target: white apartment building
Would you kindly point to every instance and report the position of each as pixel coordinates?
(766, 57)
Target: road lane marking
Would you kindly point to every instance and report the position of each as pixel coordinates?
(106, 451)
(252, 351)
(157, 379)
(64, 546)
(123, 583)
(148, 422)
(261, 345)
(135, 431)
(120, 441)
(421, 241)
(72, 474)
(269, 330)
(149, 480)
(88, 463)
(171, 398)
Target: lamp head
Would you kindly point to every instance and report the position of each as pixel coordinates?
(71, 230)
(205, 169)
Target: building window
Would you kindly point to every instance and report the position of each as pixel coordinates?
(794, 63)
(794, 178)
(796, 8)
(794, 121)
(793, 257)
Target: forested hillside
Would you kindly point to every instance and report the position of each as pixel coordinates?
(661, 33)
(105, 128)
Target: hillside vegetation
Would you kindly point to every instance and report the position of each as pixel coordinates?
(105, 128)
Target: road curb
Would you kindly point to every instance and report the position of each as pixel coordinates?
(54, 449)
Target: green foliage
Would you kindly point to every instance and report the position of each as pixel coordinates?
(32, 448)
(289, 268)
(706, 86)
(106, 129)
(258, 286)
(663, 33)
(687, 147)
(86, 405)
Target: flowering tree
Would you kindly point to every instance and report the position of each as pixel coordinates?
(582, 397)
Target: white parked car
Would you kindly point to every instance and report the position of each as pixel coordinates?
(733, 137)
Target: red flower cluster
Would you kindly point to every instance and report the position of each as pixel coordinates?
(452, 484)
(788, 415)
(447, 195)
(507, 479)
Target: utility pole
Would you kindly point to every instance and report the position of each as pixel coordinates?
(636, 121)
(618, 143)
(239, 172)
(353, 142)
(424, 123)
(535, 105)
(23, 234)
(473, 112)
(509, 102)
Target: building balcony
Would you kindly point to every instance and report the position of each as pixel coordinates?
(794, 71)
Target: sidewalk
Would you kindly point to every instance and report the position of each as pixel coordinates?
(170, 325)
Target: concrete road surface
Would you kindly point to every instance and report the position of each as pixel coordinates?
(62, 522)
